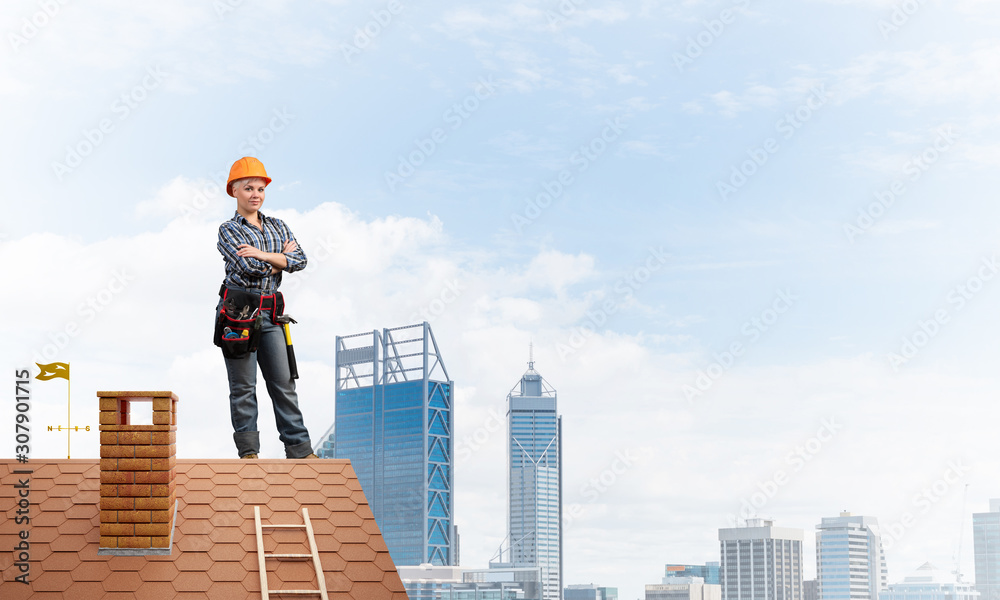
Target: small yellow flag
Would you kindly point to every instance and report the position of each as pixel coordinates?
(53, 370)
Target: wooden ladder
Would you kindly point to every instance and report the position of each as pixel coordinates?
(314, 555)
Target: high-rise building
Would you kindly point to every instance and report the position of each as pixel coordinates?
(498, 582)
(850, 561)
(931, 583)
(688, 587)
(708, 571)
(810, 589)
(986, 537)
(589, 591)
(534, 523)
(429, 582)
(325, 447)
(761, 562)
(394, 421)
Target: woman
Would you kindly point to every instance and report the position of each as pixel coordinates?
(256, 249)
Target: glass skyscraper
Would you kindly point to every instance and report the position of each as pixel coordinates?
(535, 481)
(394, 421)
(850, 562)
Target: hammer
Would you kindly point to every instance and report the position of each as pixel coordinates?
(285, 321)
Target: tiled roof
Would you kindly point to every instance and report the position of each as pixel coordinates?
(214, 544)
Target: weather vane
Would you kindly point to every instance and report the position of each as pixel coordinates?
(51, 371)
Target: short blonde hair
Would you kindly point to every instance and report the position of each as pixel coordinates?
(238, 183)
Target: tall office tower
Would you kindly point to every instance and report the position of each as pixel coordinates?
(535, 481)
(850, 562)
(761, 562)
(394, 421)
(986, 537)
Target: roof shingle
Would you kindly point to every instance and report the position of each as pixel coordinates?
(215, 549)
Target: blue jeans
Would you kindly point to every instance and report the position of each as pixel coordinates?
(272, 357)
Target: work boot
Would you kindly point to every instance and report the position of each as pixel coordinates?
(295, 451)
(247, 443)
(249, 457)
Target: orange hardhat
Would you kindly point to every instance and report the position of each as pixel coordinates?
(247, 166)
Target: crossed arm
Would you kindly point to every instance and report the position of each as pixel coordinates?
(277, 260)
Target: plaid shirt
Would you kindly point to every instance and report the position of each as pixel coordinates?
(246, 272)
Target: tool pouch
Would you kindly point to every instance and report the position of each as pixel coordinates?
(278, 308)
(240, 313)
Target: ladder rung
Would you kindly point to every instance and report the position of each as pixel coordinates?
(314, 556)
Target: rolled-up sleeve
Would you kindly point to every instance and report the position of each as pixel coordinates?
(297, 259)
(230, 238)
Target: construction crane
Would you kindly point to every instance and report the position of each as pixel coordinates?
(961, 530)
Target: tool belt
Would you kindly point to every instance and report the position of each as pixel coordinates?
(240, 318)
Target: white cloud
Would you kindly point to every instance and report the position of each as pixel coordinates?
(468, 21)
(618, 391)
(182, 197)
(623, 75)
(556, 271)
(754, 96)
(935, 74)
(977, 8)
(898, 226)
(649, 146)
(504, 37)
(194, 41)
(526, 145)
(619, 395)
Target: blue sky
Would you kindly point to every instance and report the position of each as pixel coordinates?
(570, 163)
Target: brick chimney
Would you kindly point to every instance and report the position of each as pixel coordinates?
(138, 463)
